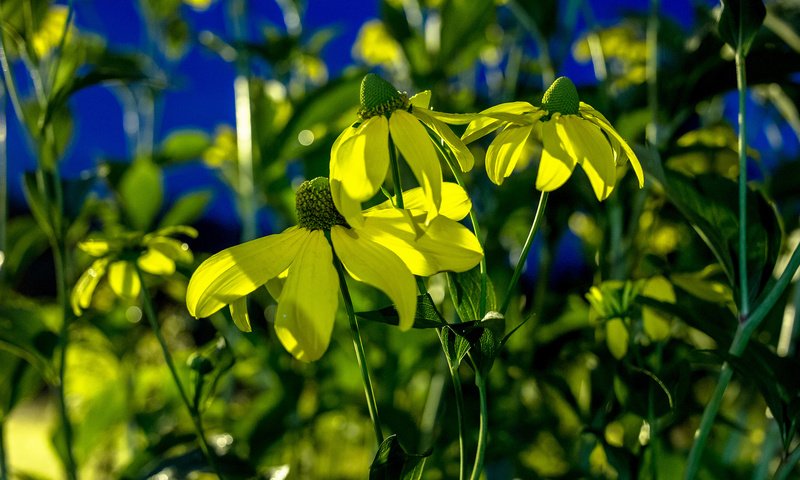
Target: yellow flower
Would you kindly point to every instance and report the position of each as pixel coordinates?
(154, 253)
(48, 36)
(302, 259)
(571, 132)
(360, 157)
(376, 46)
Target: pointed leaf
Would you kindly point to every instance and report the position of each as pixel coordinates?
(740, 21)
(392, 462)
(426, 315)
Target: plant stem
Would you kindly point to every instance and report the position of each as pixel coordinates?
(480, 451)
(59, 256)
(3, 180)
(150, 313)
(529, 24)
(4, 474)
(743, 333)
(537, 220)
(398, 185)
(787, 465)
(652, 71)
(741, 85)
(372, 405)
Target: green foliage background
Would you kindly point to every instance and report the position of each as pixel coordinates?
(606, 385)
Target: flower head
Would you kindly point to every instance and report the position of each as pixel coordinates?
(360, 157)
(119, 257)
(571, 132)
(309, 297)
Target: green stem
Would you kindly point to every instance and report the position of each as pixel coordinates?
(59, 256)
(398, 184)
(150, 313)
(537, 220)
(4, 474)
(787, 465)
(741, 85)
(652, 71)
(462, 453)
(529, 24)
(3, 179)
(743, 333)
(361, 356)
(480, 452)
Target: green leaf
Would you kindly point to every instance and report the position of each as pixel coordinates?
(455, 347)
(141, 191)
(426, 316)
(710, 204)
(187, 209)
(485, 339)
(23, 334)
(740, 21)
(465, 290)
(392, 462)
(207, 366)
(42, 209)
(110, 67)
(183, 145)
(464, 23)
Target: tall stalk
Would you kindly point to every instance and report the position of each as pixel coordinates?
(197, 420)
(537, 220)
(361, 356)
(483, 431)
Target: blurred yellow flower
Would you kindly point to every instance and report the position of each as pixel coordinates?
(571, 133)
(375, 46)
(360, 157)
(624, 52)
(48, 36)
(118, 257)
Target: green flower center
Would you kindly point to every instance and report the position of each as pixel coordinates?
(314, 204)
(379, 97)
(561, 97)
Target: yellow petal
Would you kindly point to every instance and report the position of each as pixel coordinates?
(123, 280)
(598, 119)
(156, 263)
(96, 247)
(487, 120)
(459, 149)
(445, 245)
(421, 100)
(346, 205)
(617, 337)
(240, 316)
(81, 296)
(455, 202)
(417, 148)
(586, 143)
(307, 305)
(556, 164)
(234, 272)
(453, 118)
(275, 285)
(371, 263)
(362, 160)
(171, 248)
(505, 151)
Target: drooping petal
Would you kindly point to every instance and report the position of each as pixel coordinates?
(155, 262)
(239, 314)
(349, 207)
(455, 202)
(452, 118)
(95, 247)
(275, 285)
(371, 263)
(234, 272)
(505, 151)
(459, 149)
(493, 118)
(362, 160)
(81, 296)
(556, 164)
(307, 305)
(598, 119)
(421, 99)
(171, 248)
(417, 148)
(587, 144)
(445, 245)
(123, 279)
